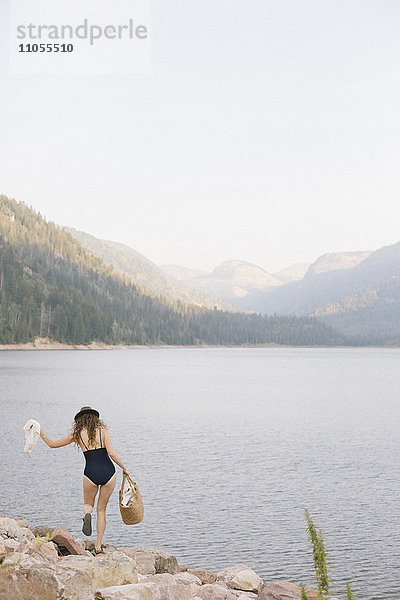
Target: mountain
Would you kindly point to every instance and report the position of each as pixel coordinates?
(371, 316)
(292, 273)
(236, 281)
(233, 279)
(145, 274)
(51, 286)
(336, 261)
(181, 273)
(361, 300)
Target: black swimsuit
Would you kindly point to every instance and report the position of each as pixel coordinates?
(99, 466)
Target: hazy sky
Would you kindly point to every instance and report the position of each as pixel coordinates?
(267, 131)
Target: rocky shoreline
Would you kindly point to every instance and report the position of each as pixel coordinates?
(41, 563)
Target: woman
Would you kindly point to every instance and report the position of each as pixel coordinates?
(91, 435)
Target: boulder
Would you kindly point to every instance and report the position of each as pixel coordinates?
(193, 587)
(278, 591)
(187, 578)
(73, 585)
(150, 562)
(182, 568)
(39, 582)
(3, 549)
(47, 550)
(41, 530)
(178, 591)
(241, 577)
(312, 594)
(204, 575)
(214, 591)
(26, 546)
(290, 586)
(160, 579)
(10, 544)
(138, 591)
(223, 584)
(62, 537)
(20, 559)
(129, 552)
(104, 570)
(168, 587)
(285, 590)
(240, 595)
(21, 521)
(27, 584)
(10, 528)
(22, 552)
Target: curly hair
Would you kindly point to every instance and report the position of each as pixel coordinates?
(89, 421)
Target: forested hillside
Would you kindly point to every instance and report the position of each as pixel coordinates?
(149, 278)
(50, 286)
(372, 315)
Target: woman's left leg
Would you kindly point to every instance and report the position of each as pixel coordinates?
(89, 494)
(105, 492)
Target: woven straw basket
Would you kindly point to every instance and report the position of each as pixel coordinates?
(134, 513)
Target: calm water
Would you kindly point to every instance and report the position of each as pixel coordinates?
(228, 447)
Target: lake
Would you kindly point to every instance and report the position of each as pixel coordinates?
(228, 447)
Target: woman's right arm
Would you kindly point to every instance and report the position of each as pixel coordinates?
(68, 439)
(111, 452)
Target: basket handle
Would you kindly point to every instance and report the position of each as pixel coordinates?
(124, 478)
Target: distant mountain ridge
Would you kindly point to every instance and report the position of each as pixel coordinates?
(231, 280)
(146, 275)
(336, 261)
(241, 283)
(181, 273)
(292, 273)
(318, 289)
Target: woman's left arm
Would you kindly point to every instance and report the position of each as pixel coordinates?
(56, 443)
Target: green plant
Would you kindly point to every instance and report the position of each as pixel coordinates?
(40, 541)
(321, 563)
(350, 595)
(304, 595)
(46, 538)
(320, 556)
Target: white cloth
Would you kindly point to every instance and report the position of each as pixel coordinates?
(127, 496)
(32, 432)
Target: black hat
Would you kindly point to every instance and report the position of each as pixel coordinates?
(86, 410)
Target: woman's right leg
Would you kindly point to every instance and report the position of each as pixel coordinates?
(105, 492)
